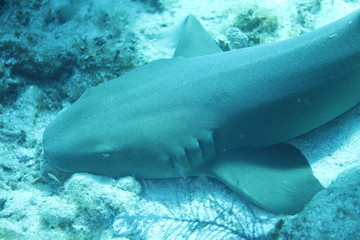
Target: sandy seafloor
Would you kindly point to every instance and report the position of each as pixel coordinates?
(51, 51)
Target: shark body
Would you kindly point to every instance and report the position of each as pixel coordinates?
(219, 114)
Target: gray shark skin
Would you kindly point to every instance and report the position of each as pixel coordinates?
(218, 114)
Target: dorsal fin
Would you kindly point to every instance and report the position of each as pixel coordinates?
(189, 39)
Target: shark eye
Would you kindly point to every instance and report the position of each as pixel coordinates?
(104, 150)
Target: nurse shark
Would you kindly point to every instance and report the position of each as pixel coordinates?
(225, 115)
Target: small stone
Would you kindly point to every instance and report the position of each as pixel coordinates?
(237, 38)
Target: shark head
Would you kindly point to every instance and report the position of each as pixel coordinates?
(72, 141)
(94, 136)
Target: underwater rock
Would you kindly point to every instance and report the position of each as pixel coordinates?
(36, 47)
(99, 200)
(29, 211)
(258, 24)
(306, 12)
(333, 214)
(9, 171)
(57, 213)
(237, 38)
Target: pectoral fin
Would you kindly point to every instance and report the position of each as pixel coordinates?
(277, 178)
